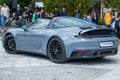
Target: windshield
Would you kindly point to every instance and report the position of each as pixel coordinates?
(70, 22)
(39, 24)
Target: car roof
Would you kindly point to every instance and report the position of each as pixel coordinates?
(76, 19)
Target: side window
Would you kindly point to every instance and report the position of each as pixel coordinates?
(57, 24)
(50, 24)
(34, 24)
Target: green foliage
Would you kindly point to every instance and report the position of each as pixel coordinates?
(70, 5)
(101, 21)
(21, 2)
(112, 4)
(24, 3)
(8, 2)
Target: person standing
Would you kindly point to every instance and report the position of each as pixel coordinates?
(108, 19)
(117, 26)
(25, 17)
(4, 13)
(64, 12)
(42, 13)
(95, 18)
(114, 18)
(34, 16)
(30, 12)
(56, 12)
(77, 15)
(89, 18)
(18, 11)
(51, 15)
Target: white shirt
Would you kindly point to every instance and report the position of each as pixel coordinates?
(89, 18)
(5, 11)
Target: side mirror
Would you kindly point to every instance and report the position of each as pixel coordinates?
(25, 28)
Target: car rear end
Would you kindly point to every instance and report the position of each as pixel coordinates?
(93, 43)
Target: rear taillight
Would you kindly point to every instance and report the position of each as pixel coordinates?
(80, 51)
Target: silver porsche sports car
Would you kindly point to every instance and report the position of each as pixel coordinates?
(62, 39)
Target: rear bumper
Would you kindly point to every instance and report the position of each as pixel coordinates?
(94, 53)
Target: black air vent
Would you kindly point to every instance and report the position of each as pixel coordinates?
(85, 28)
(99, 32)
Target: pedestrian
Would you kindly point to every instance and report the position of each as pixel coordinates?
(34, 16)
(42, 13)
(77, 15)
(21, 22)
(18, 11)
(114, 18)
(89, 18)
(56, 12)
(4, 14)
(64, 12)
(117, 27)
(38, 14)
(14, 23)
(108, 19)
(46, 15)
(25, 17)
(30, 12)
(95, 18)
(51, 15)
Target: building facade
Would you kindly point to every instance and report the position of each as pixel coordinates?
(97, 6)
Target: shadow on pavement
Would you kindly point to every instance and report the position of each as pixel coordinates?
(94, 61)
(106, 60)
(33, 55)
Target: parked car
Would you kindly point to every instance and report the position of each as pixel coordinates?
(62, 39)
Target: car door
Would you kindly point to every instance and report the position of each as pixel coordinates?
(30, 40)
(32, 37)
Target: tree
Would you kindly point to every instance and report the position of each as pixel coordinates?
(8, 2)
(21, 2)
(112, 4)
(24, 3)
(70, 5)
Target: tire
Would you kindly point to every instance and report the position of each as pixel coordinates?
(56, 50)
(9, 44)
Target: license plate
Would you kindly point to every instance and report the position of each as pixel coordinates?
(106, 44)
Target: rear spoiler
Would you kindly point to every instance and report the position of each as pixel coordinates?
(110, 29)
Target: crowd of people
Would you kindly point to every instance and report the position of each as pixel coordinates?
(112, 20)
(20, 17)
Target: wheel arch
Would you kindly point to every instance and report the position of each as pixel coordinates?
(51, 39)
(7, 34)
(6, 37)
